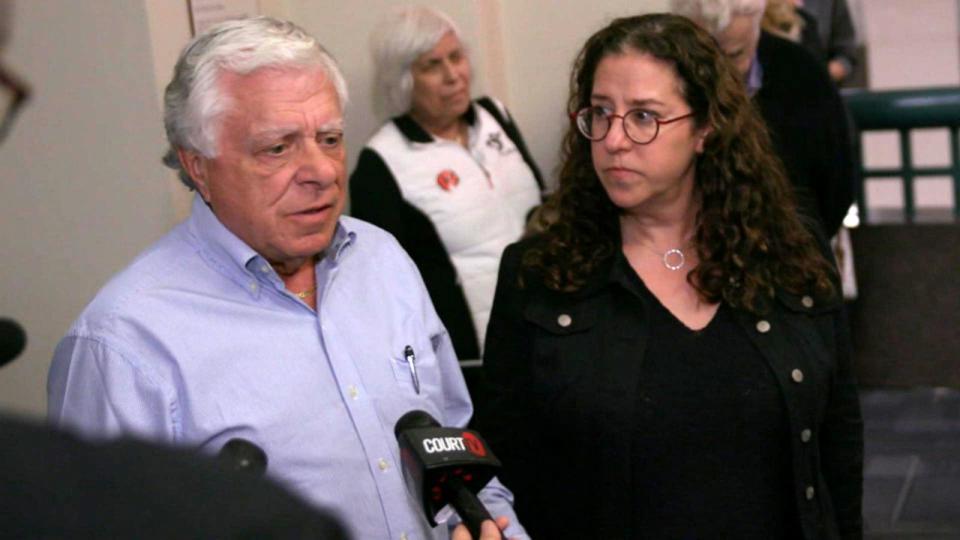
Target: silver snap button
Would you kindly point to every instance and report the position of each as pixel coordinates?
(810, 492)
(763, 327)
(564, 320)
(797, 376)
(805, 435)
(807, 302)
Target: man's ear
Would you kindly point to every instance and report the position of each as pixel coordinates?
(196, 166)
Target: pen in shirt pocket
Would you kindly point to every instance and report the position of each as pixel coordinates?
(412, 364)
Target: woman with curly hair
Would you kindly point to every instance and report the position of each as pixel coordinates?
(669, 356)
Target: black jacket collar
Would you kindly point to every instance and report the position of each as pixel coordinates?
(414, 132)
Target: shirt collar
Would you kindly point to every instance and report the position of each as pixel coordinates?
(226, 251)
(216, 239)
(414, 132)
(754, 76)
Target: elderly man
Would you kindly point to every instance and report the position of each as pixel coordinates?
(805, 114)
(267, 315)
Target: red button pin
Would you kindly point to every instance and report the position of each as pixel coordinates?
(447, 179)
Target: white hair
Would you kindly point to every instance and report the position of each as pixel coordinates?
(400, 38)
(193, 101)
(715, 15)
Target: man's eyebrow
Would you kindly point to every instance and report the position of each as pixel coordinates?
(333, 125)
(280, 132)
(270, 134)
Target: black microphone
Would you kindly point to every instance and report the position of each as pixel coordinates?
(12, 340)
(445, 466)
(244, 456)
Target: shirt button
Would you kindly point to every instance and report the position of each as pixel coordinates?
(810, 492)
(353, 391)
(382, 463)
(564, 320)
(253, 286)
(807, 302)
(797, 376)
(264, 269)
(805, 435)
(403, 536)
(763, 327)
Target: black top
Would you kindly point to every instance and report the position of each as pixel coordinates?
(711, 448)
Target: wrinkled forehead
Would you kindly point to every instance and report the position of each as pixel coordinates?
(275, 85)
(281, 100)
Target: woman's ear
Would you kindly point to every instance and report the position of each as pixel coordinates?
(702, 135)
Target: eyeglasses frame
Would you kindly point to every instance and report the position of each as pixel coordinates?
(622, 117)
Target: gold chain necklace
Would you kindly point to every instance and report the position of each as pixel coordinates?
(304, 294)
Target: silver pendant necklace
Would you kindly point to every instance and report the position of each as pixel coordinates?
(672, 259)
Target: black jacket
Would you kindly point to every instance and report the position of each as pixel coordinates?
(58, 486)
(562, 369)
(810, 127)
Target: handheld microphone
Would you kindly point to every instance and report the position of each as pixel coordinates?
(12, 340)
(244, 456)
(445, 466)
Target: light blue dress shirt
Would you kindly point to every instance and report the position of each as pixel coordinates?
(198, 342)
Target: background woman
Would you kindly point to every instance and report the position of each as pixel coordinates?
(451, 178)
(670, 355)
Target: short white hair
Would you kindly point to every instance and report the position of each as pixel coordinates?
(397, 41)
(715, 15)
(193, 101)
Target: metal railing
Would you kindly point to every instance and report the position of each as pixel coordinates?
(903, 111)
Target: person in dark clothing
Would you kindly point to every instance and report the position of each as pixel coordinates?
(810, 129)
(835, 33)
(799, 103)
(58, 486)
(670, 358)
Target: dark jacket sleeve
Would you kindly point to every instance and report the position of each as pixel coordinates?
(375, 197)
(841, 437)
(842, 42)
(502, 414)
(841, 431)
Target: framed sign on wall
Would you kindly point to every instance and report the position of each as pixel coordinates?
(206, 13)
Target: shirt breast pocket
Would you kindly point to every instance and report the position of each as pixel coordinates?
(564, 342)
(414, 364)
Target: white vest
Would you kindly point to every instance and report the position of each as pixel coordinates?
(477, 199)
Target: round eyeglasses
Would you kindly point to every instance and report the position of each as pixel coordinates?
(640, 125)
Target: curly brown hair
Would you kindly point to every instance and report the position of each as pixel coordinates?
(749, 237)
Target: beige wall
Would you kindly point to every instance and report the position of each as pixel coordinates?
(542, 39)
(83, 189)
